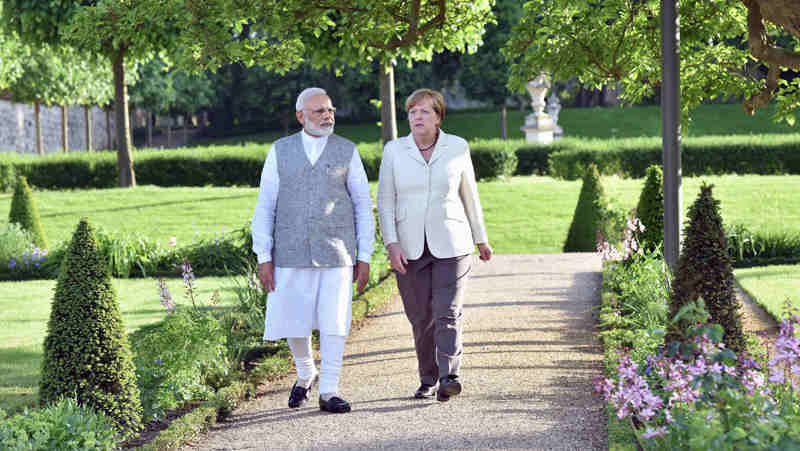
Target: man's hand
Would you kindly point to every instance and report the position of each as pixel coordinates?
(361, 275)
(266, 274)
(396, 258)
(485, 251)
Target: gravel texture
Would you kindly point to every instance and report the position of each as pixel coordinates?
(530, 355)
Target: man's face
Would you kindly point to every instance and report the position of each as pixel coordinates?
(317, 115)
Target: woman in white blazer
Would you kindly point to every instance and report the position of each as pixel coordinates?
(431, 219)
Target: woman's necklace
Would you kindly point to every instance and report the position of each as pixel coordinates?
(432, 144)
(428, 148)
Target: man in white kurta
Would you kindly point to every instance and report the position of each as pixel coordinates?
(313, 233)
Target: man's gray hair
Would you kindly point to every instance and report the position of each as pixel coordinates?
(307, 94)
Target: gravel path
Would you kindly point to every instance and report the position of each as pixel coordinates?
(530, 354)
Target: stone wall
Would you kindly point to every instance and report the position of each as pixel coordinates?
(18, 128)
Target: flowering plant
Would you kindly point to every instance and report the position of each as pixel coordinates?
(181, 358)
(696, 394)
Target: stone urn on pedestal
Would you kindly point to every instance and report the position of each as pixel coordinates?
(539, 126)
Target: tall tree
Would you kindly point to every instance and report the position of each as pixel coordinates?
(335, 34)
(123, 31)
(725, 48)
(11, 55)
(41, 74)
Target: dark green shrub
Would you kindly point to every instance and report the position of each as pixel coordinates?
(532, 159)
(24, 212)
(86, 351)
(8, 176)
(650, 209)
(590, 215)
(492, 159)
(705, 271)
(65, 425)
(751, 154)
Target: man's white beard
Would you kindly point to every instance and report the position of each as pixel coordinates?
(316, 130)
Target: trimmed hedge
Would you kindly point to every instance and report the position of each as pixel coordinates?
(208, 166)
(753, 154)
(86, 350)
(565, 158)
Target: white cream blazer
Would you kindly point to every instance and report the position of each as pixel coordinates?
(437, 200)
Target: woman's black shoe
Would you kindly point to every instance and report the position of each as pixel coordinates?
(425, 391)
(448, 386)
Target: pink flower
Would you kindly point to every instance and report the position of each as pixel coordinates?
(172, 241)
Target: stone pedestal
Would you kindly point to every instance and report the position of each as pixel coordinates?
(538, 128)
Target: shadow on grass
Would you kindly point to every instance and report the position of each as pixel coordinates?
(19, 378)
(139, 206)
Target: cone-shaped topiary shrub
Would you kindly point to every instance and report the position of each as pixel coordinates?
(86, 350)
(650, 209)
(24, 212)
(704, 270)
(590, 214)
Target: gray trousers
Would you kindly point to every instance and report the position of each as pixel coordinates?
(433, 295)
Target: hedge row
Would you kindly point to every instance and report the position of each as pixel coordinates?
(752, 154)
(215, 166)
(566, 158)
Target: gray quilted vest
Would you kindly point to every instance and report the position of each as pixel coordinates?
(314, 220)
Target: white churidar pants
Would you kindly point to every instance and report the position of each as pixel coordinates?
(331, 348)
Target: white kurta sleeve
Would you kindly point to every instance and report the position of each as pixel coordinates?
(264, 215)
(358, 186)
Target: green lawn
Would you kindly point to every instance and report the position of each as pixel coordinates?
(159, 213)
(25, 310)
(771, 286)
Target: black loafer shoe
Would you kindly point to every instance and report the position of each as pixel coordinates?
(334, 405)
(425, 391)
(448, 386)
(299, 395)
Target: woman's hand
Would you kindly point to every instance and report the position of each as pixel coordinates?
(485, 251)
(396, 258)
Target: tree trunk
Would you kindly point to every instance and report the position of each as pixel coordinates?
(20, 128)
(64, 129)
(38, 119)
(169, 133)
(186, 118)
(503, 124)
(87, 110)
(388, 113)
(149, 123)
(127, 178)
(109, 138)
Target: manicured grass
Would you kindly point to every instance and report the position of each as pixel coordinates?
(767, 204)
(622, 122)
(771, 286)
(25, 310)
(159, 213)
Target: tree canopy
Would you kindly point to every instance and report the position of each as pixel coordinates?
(280, 34)
(726, 48)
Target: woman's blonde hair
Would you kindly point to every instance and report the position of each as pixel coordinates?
(421, 94)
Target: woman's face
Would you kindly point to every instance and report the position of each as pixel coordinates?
(423, 119)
